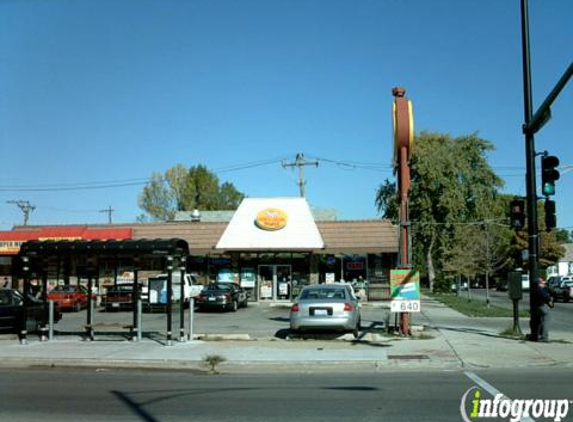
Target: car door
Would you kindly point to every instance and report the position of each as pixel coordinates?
(9, 309)
(239, 294)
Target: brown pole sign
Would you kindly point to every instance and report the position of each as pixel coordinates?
(403, 141)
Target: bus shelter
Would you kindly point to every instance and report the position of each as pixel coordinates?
(37, 257)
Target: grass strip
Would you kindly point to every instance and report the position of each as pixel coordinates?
(473, 307)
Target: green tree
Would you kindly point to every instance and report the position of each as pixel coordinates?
(387, 201)
(550, 250)
(182, 189)
(157, 199)
(452, 183)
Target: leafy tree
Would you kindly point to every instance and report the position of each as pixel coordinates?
(461, 258)
(452, 183)
(562, 236)
(157, 199)
(182, 189)
(387, 201)
(550, 250)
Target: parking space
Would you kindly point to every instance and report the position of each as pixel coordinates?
(259, 321)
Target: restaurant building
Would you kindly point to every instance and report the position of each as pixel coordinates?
(271, 246)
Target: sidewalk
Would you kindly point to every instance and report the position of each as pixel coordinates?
(449, 341)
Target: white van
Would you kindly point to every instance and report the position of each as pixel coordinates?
(525, 282)
(156, 290)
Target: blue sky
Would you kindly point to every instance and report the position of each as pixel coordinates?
(104, 92)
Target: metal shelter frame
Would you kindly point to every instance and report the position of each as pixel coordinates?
(36, 256)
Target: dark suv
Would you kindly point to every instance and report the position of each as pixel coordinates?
(561, 287)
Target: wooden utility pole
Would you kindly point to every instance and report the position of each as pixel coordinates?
(26, 208)
(109, 211)
(300, 162)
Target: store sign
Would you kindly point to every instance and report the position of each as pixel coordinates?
(405, 291)
(355, 266)
(10, 247)
(271, 219)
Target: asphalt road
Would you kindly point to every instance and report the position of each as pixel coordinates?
(65, 395)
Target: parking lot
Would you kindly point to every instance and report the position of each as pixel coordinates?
(258, 321)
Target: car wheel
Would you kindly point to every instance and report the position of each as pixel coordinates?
(566, 298)
(78, 306)
(356, 331)
(235, 306)
(246, 304)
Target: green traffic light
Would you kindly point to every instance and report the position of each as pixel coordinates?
(548, 189)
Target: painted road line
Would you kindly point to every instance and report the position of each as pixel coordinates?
(492, 390)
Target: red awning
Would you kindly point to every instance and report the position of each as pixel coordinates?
(10, 241)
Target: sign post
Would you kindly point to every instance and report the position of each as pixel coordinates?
(403, 141)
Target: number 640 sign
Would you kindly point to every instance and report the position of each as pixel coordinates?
(405, 291)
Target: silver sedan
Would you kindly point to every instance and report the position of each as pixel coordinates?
(331, 307)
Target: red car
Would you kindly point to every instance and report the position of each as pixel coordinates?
(70, 297)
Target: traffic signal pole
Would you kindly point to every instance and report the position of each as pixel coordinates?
(534, 122)
(532, 229)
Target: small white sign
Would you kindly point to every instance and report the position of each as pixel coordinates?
(398, 305)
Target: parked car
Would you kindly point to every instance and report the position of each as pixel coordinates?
(118, 298)
(223, 296)
(553, 282)
(74, 298)
(325, 307)
(11, 311)
(564, 290)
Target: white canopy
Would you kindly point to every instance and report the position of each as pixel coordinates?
(272, 224)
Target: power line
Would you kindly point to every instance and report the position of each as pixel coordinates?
(346, 165)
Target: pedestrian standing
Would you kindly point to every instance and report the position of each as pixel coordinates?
(540, 319)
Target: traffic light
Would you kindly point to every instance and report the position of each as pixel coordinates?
(517, 214)
(549, 174)
(550, 217)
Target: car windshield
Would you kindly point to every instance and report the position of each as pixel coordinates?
(323, 294)
(218, 286)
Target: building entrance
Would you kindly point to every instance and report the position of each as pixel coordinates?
(275, 282)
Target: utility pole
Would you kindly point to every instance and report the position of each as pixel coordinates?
(108, 210)
(300, 162)
(26, 208)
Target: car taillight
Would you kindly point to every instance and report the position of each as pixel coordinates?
(295, 308)
(228, 296)
(348, 307)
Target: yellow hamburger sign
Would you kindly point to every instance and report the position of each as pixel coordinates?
(271, 219)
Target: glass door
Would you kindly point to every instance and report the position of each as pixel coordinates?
(266, 281)
(283, 282)
(275, 282)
